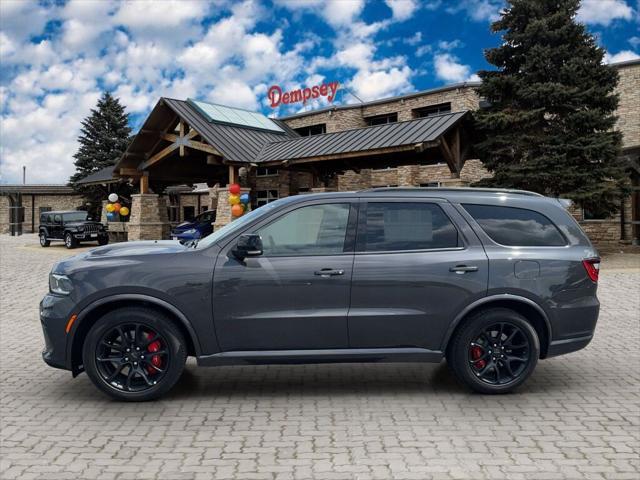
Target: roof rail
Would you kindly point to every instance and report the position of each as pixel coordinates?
(451, 189)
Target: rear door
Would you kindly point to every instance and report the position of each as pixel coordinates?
(417, 265)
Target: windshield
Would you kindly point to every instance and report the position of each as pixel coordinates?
(239, 223)
(75, 217)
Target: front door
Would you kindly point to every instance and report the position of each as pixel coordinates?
(295, 295)
(417, 264)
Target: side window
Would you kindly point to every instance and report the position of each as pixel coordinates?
(407, 226)
(311, 230)
(516, 227)
(57, 219)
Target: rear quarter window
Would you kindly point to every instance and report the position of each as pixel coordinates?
(516, 227)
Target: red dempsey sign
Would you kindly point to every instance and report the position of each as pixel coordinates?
(276, 96)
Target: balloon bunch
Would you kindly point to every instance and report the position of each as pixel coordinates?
(239, 203)
(114, 208)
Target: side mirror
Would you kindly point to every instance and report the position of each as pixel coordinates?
(248, 245)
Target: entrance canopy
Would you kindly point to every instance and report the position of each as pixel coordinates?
(193, 141)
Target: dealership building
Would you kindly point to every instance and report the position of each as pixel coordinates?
(188, 151)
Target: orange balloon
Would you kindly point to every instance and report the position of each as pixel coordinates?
(116, 207)
(237, 210)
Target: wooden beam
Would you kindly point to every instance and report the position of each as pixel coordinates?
(130, 172)
(233, 174)
(203, 147)
(144, 184)
(448, 155)
(181, 142)
(158, 156)
(456, 150)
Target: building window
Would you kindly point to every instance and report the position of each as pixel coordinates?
(594, 212)
(266, 172)
(384, 186)
(265, 196)
(382, 119)
(318, 129)
(44, 209)
(430, 184)
(432, 110)
(188, 213)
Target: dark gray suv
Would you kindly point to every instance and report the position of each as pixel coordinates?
(491, 280)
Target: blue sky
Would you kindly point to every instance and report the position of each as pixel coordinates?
(57, 56)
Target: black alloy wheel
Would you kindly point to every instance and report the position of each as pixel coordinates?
(69, 241)
(132, 357)
(43, 240)
(499, 354)
(134, 353)
(494, 351)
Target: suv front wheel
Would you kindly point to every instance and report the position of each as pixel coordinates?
(43, 240)
(134, 354)
(495, 351)
(70, 241)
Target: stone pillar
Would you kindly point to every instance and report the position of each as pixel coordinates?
(149, 219)
(408, 175)
(223, 209)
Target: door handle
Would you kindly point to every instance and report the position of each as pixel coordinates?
(462, 269)
(328, 272)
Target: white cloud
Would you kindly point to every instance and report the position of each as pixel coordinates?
(449, 68)
(402, 9)
(337, 13)
(449, 45)
(478, 10)
(415, 39)
(381, 83)
(603, 12)
(623, 56)
(634, 41)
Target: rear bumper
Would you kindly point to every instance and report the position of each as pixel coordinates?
(568, 345)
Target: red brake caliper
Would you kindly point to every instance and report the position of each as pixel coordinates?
(156, 361)
(476, 353)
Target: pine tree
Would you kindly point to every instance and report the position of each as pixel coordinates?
(103, 138)
(549, 124)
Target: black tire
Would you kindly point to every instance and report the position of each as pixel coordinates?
(43, 239)
(122, 320)
(485, 353)
(103, 240)
(69, 241)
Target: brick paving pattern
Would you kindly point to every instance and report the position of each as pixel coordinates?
(576, 418)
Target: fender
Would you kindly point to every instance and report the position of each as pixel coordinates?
(129, 296)
(490, 299)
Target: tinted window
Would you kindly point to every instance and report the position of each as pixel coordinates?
(75, 217)
(516, 226)
(407, 226)
(311, 230)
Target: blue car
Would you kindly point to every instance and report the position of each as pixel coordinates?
(199, 227)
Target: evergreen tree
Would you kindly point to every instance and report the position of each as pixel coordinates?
(103, 138)
(549, 125)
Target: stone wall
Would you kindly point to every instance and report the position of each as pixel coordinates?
(629, 108)
(461, 98)
(55, 202)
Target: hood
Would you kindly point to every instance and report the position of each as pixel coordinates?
(118, 253)
(137, 248)
(82, 223)
(185, 226)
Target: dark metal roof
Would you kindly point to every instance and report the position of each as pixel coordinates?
(104, 175)
(235, 143)
(386, 136)
(35, 189)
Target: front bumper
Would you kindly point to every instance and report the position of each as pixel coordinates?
(90, 236)
(55, 311)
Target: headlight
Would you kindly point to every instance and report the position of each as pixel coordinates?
(191, 231)
(60, 284)
(81, 229)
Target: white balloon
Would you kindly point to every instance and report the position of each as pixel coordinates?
(113, 197)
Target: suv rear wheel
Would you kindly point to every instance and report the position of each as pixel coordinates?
(43, 240)
(495, 351)
(134, 354)
(70, 241)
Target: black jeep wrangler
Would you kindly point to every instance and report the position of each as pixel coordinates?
(71, 227)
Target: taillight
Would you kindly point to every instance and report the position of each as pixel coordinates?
(592, 266)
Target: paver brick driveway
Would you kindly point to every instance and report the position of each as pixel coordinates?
(576, 417)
